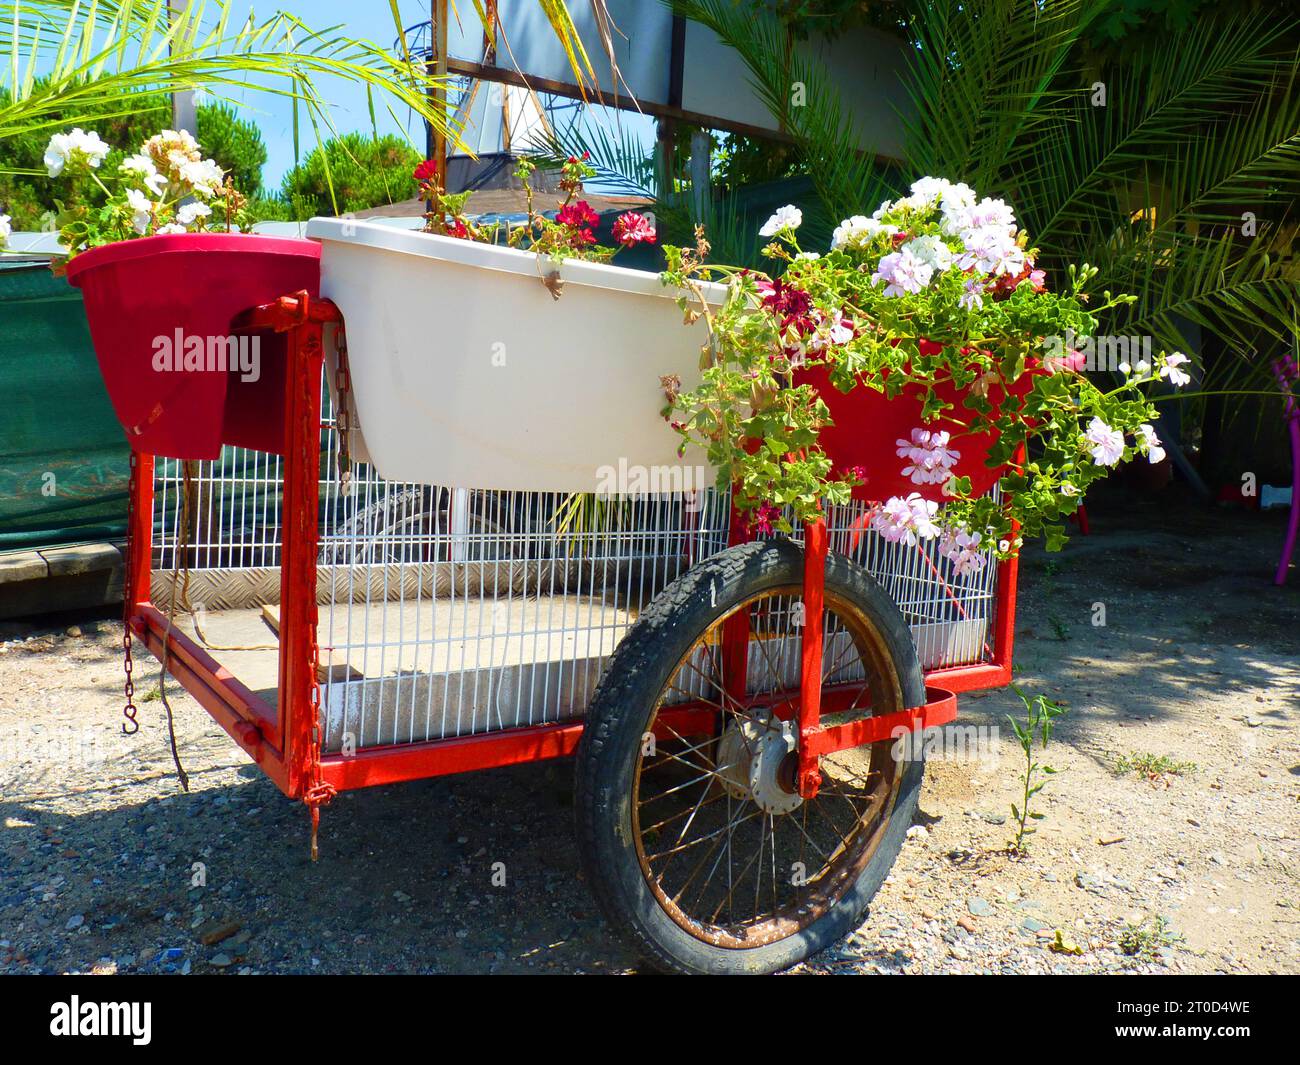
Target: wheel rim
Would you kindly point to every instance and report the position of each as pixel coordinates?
(720, 851)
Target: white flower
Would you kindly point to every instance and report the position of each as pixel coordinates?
(991, 250)
(932, 250)
(190, 211)
(143, 166)
(205, 177)
(141, 210)
(1068, 490)
(962, 548)
(1149, 443)
(5, 229)
(906, 521)
(1004, 546)
(1107, 443)
(807, 256)
(76, 146)
(929, 457)
(171, 229)
(1170, 370)
(903, 272)
(858, 232)
(56, 153)
(787, 217)
(925, 191)
(831, 331)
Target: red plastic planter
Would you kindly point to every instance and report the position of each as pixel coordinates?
(145, 298)
(868, 425)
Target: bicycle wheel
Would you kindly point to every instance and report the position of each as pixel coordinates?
(694, 838)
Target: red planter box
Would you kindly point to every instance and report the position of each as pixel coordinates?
(160, 311)
(868, 426)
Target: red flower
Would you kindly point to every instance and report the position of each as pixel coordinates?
(763, 517)
(458, 229)
(928, 347)
(426, 170)
(632, 228)
(793, 305)
(578, 214)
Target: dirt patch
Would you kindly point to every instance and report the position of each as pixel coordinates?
(107, 865)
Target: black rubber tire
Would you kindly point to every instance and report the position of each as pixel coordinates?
(618, 717)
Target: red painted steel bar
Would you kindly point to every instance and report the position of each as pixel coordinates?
(810, 678)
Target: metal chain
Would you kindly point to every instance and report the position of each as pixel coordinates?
(130, 726)
(343, 416)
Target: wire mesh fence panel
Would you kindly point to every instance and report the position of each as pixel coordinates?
(447, 612)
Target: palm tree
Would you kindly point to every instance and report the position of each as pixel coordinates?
(71, 60)
(1173, 169)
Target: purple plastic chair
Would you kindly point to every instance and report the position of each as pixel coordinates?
(1287, 372)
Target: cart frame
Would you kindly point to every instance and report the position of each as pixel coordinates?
(285, 741)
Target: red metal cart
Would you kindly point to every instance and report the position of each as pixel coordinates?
(736, 710)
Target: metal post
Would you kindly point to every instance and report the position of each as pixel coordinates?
(810, 682)
(184, 111)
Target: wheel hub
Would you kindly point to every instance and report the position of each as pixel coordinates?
(754, 762)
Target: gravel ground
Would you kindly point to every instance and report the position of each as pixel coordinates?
(106, 866)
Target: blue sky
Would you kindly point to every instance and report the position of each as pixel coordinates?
(370, 19)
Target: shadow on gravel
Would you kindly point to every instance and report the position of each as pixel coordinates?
(405, 882)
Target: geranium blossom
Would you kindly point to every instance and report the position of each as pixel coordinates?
(903, 272)
(632, 228)
(929, 457)
(1149, 443)
(205, 176)
(906, 520)
(972, 295)
(75, 146)
(143, 166)
(425, 170)
(763, 518)
(787, 217)
(190, 212)
(932, 251)
(832, 330)
(578, 214)
(1172, 373)
(141, 210)
(6, 228)
(963, 549)
(857, 232)
(1107, 443)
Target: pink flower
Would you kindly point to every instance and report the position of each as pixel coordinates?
(929, 456)
(632, 228)
(962, 548)
(906, 521)
(903, 272)
(1071, 360)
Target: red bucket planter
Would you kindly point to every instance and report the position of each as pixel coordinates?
(868, 426)
(161, 310)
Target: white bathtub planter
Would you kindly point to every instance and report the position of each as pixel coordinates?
(467, 372)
